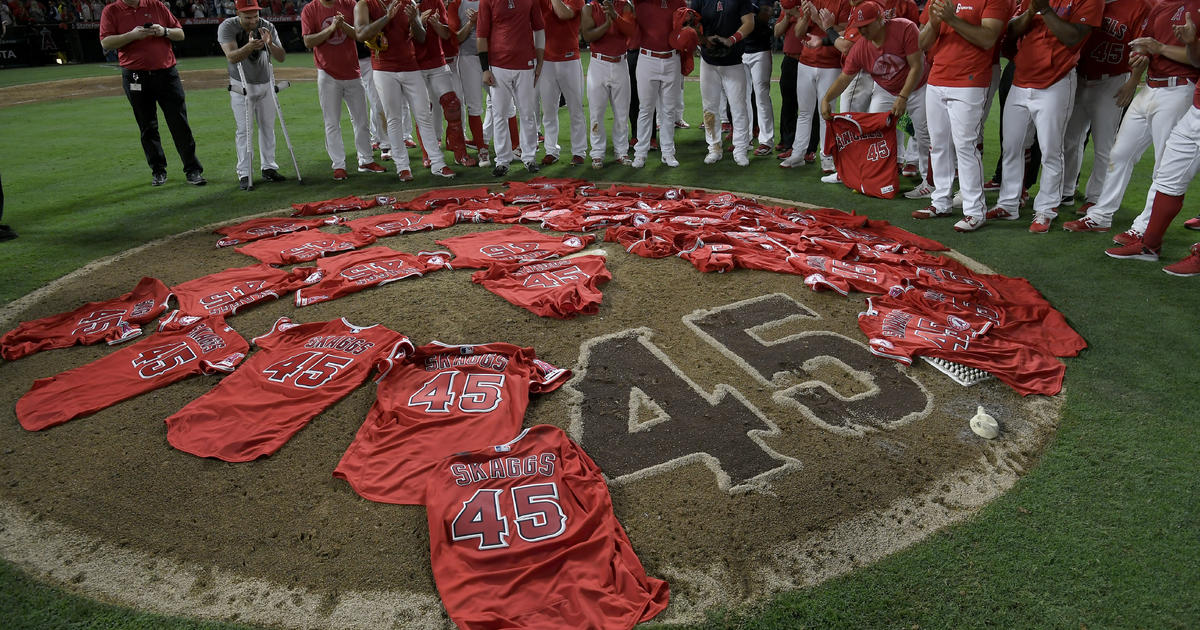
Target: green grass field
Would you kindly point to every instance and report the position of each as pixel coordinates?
(1103, 533)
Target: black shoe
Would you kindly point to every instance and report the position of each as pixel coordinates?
(500, 170)
(245, 184)
(159, 179)
(272, 175)
(6, 233)
(532, 167)
(196, 179)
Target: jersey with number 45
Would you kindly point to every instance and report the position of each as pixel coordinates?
(443, 399)
(552, 288)
(184, 346)
(300, 370)
(523, 535)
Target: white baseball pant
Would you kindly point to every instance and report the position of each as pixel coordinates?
(758, 79)
(882, 101)
(658, 86)
(262, 108)
(1046, 110)
(566, 78)
(473, 92)
(811, 85)
(730, 81)
(1096, 110)
(857, 96)
(953, 117)
(514, 93)
(378, 120)
(1181, 158)
(608, 84)
(331, 93)
(398, 90)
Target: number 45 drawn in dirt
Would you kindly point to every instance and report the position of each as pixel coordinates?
(637, 413)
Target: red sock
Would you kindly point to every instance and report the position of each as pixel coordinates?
(514, 134)
(477, 138)
(1165, 209)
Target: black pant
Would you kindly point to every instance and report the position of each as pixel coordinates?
(788, 110)
(149, 90)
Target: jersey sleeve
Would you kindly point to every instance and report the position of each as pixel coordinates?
(483, 20)
(308, 21)
(536, 20)
(1088, 13)
(398, 352)
(546, 377)
(852, 65)
(269, 339)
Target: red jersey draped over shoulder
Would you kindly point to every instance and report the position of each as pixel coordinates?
(185, 346)
(444, 399)
(112, 321)
(508, 25)
(523, 535)
(300, 370)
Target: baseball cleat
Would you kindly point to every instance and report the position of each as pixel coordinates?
(992, 184)
(408, 142)
(763, 149)
(670, 161)
(783, 155)
(638, 161)
(1083, 209)
(832, 178)
(910, 170)
(272, 175)
(930, 212)
(445, 171)
(999, 213)
(1128, 236)
(339, 175)
(371, 167)
(682, 124)
(1086, 224)
(405, 175)
(827, 164)
(624, 160)
(196, 179)
(969, 224)
(739, 158)
(485, 158)
(532, 167)
(1133, 251)
(1192, 223)
(1187, 267)
(549, 159)
(1041, 223)
(924, 190)
(576, 160)
(500, 170)
(791, 163)
(713, 157)
(245, 184)
(385, 154)
(158, 179)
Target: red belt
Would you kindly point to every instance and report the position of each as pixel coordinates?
(608, 58)
(1168, 82)
(658, 55)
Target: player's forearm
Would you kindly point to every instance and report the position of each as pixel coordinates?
(928, 35)
(235, 54)
(1177, 54)
(562, 11)
(366, 29)
(839, 85)
(982, 35)
(277, 52)
(312, 40)
(439, 29)
(595, 31)
(116, 42)
(416, 28)
(1067, 33)
(1020, 24)
(914, 76)
(174, 34)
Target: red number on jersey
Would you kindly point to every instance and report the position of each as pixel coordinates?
(163, 359)
(481, 518)
(309, 370)
(475, 393)
(538, 516)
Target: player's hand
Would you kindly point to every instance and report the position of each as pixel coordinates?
(412, 12)
(826, 110)
(537, 72)
(941, 11)
(899, 107)
(1138, 61)
(426, 14)
(1186, 32)
(1124, 95)
(1146, 46)
(813, 41)
(472, 15)
(489, 79)
(609, 9)
(141, 32)
(266, 36)
(1037, 6)
(394, 8)
(825, 19)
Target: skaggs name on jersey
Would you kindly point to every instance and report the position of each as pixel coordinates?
(345, 343)
(541, 464)
(490, 360)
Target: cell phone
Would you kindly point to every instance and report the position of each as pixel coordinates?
(256, 34)
(148, 25)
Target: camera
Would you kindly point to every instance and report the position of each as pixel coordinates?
(256, 34)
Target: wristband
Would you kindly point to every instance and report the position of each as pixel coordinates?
(735, 38)
(832, 34)
(483, 61)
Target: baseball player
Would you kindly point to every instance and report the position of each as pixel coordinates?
(139, 31)
(758, 64)
(391, 29)
(658, 79)
(1104, 91)
(512, 34)
(888, 50)
(562, 75)
(247, 40)
(726, 23)
(379, 138)
(606, 26)
(1151, 116)
(439, 81)
(815, 25)
(1179, 164)
(325, 25)
(960, 38)
(1052, 33)
(461, 16)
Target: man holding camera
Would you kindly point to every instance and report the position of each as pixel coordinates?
(247, 41)
(139, 31)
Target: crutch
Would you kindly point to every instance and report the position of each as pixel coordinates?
(249, 121)
(282, 125)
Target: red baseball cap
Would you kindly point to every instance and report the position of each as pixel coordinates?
(864, 14)
(247, 5)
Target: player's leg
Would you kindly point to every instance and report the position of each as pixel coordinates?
(329, 96)
(421, 110)
(787, 102)
(807, 80)
(243, 123)
(1106, 119)
(965, 106)
(264, 116)
(671, 107)
(1171, 104)
(710, 100)
(1016, 117)
(442, 81)
(391, 95)
(650, 86)
(169, 92)
(733, 84)
(501, 105)
(1050, 108)
(760, 76)
(941, 155)
(356, 103)
(825, 78)
(1076, 133)
(378, 122)
(620, 92)
(857, 96)
(548, 89)
(1133, 138)
(145, 112)
(572, 89)
(599, 95)
(526, 95)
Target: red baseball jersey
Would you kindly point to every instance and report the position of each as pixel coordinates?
(184, 346)
(442, 400)
(337, 56)
(396, 53)
(299, 247)
(490, 211)
(224, 292)
(255, 229)
(1041, 59)
(956, 62)
(508, 25)
(863, 147)
(430, 53)
(350, 273)
(562, 36)
(300, 370)
(1160, 24)
(898, 332)
(151, 53)
(826, 272)
(394, 223)
(887, 64)
(820, 56)
(329, 206)
(615, 40)
(557, 288)
(523, 535)
(439, 197)
(1106, 51)
(654, 20)
(515, 244)
(112, 321)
